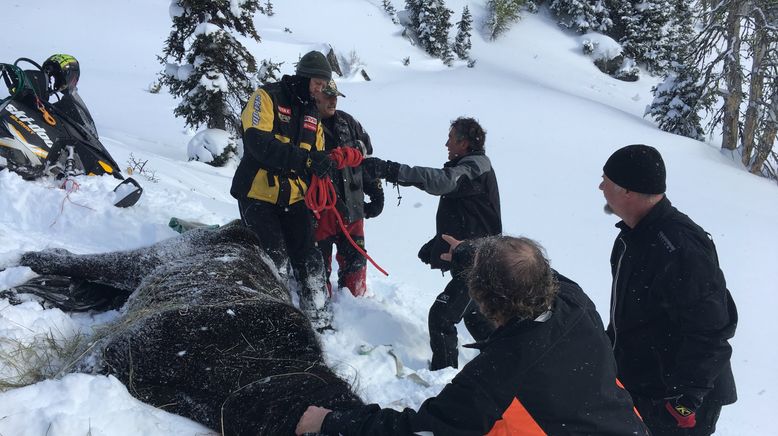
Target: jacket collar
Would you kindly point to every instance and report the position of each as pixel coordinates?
(293, 85)
(659, 211)
(513, 327)
(453, 162)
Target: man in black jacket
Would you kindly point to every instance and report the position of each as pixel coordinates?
(351, 186)
(469, 208)
(671, 312)
(547, 369)
(283, 145)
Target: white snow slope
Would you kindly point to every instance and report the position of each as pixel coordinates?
(552, 120)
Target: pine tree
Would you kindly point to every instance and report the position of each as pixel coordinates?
(462, 42)
(442, 27)
(646, 25)
(582, 15)
(389, 9)
(502, 13)
(677, 102)
(414, 9)
(731, 30)
(681, 31)
(269, 71)
(206, 66)
(430, 21)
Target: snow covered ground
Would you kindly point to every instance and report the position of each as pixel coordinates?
(552, 120)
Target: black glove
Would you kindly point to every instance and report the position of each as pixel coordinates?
(374, 190)
(381, 169)
(425, 252)
(319, 163)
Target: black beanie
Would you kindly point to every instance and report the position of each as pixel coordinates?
(638, 168)
(314, 65)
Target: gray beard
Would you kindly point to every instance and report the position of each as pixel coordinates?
(607, 209)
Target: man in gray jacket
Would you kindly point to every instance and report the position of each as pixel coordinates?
(469, 208)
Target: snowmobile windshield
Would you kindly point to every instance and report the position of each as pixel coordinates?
(72, 106)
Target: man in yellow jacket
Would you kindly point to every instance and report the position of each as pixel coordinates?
(283, 145)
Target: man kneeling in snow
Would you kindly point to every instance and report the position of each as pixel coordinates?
(547, 369)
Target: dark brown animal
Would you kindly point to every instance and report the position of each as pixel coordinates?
(208, 332)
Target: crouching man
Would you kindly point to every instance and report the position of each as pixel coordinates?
(547, 368)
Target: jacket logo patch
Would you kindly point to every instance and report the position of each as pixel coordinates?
(284, 118)
(285, 110)
(255, 114)
(665, 240)
(310, 123)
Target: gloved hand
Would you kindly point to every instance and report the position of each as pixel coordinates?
(374, 190)
(319, 163)
(425, 252)
(381, 169)
(684, 415)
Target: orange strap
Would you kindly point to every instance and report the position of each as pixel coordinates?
(46, 115)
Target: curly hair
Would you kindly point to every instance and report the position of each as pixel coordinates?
(511, 277)
(468, 128)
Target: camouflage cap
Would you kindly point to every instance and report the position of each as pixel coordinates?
(332, 90)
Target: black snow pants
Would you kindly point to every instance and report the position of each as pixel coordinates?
(286, 235)
(453, 304)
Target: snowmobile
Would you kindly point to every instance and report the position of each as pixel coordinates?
(59, 139)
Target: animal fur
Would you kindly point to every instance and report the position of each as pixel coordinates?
(208, 332)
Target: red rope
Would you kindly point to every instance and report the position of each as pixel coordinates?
(70, 186)
(321, 194)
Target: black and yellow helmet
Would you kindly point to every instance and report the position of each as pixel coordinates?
(64, 70)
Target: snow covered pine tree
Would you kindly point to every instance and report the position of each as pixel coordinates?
(677, 102)
(502, 13)
(205, 65)
(430, 23)
(582, 15)
(462, 41)
(643, 29)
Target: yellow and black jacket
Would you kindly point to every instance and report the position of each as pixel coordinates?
(279, 128)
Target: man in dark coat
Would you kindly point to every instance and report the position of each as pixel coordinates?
(351, 186)
(469, 208)
(671, 312)
(283, 145)
(547, 369)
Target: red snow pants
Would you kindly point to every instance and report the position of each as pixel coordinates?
(352, 266)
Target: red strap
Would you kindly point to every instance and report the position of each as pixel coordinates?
(321, 194)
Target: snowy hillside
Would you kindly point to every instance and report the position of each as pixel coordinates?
(552, 119)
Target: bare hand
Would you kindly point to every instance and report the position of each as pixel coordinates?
(453, 244)
(311, 420)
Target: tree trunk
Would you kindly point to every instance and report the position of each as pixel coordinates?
(768, 133)
(733, 77)
(218, 116)
(755, 88)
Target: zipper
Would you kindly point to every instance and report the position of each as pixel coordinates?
(613, 292)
